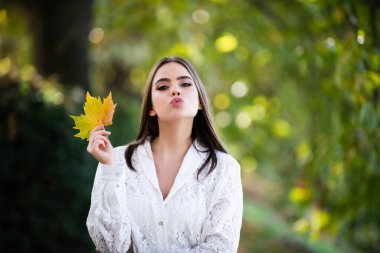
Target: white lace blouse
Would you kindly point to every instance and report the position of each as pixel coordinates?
(198, 215)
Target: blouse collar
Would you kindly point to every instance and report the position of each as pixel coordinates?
(194, 158)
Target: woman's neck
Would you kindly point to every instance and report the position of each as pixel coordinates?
(174, 138)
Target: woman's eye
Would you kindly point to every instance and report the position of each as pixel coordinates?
(162, 87)
(186, 84)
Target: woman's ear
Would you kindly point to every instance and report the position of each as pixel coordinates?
(152, 112)
(200, 106)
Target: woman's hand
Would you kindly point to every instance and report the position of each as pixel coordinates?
(99, 146)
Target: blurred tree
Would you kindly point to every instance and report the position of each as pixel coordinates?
(60, 37)
(45, 174)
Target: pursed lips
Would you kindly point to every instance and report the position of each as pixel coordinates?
(176, 101)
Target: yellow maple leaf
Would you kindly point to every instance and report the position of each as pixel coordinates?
(96, 113)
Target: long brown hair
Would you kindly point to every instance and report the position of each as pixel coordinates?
(203, 129)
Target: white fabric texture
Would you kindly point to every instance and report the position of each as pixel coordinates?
(198, 215)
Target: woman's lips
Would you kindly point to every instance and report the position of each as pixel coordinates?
(176, 101)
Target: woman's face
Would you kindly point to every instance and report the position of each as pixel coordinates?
(174, 94)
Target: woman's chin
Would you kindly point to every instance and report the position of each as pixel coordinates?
(176, 118)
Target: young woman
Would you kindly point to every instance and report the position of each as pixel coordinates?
(175, 189)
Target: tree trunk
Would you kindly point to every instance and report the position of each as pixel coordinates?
(60, 35)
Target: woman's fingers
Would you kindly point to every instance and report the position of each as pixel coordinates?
(103, 141)
(96, 134)
(99, 146)
(96, 145)
(99, 130)
(100, 127)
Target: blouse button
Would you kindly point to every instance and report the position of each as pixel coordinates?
(118, 174)
(161, 223)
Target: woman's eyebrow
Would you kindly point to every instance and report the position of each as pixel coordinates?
(165, 79)
(183, 77)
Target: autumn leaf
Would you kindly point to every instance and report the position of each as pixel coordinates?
(96, 113)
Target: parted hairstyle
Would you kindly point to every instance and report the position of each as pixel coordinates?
(203, 130)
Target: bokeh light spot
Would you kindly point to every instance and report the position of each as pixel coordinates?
(200, 16)
(51, 93)
(3, 16)
(96, 35)
(330, 43)
(221, 101)
(223, 119)
(301, 226)
(226, 43)
(261, 100)
(299, 194)
(239, 89)
(258, 112)
(243, 120)
(319, 219)
(304, 153)
(281, 128)
(360, 37)
(27, 73)
(5, 65)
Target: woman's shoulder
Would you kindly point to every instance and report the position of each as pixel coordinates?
(121, 149)
(226, 158)
(137, 149)
(227, 170)
(227, 165)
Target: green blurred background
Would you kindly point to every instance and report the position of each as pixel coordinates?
(295, 89)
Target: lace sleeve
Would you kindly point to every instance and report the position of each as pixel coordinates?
(108, 221)
(221, 230)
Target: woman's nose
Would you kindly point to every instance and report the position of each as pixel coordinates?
(176, 92)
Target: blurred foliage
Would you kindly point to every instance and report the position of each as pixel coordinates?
(295, 91)
(45, 176)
